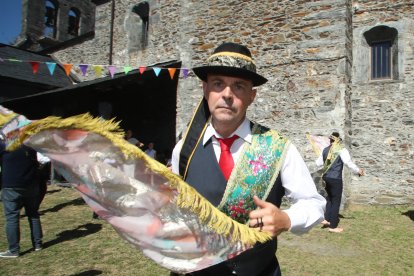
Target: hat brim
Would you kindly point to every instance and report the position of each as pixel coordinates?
(203, 71)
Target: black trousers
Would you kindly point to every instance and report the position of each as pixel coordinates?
(258, 261)
(334, 189)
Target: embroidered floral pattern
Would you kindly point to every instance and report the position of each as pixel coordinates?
(258, 165)
(254, 174)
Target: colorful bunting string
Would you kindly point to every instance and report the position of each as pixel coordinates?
(112, 69)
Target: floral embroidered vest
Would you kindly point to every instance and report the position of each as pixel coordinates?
(255, 173)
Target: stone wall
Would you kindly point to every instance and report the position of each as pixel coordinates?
(313, 56)
(94, 51)
(382, 121)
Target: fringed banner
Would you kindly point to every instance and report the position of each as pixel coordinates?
(148, 205)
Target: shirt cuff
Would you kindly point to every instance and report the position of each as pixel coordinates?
(299, 222)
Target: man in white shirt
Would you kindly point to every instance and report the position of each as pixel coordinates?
(132, 140)
(266, 165)
(333, 159)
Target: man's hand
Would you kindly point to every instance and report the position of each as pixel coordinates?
(274, 220)
(361, 172)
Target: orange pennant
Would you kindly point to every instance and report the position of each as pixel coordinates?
(172, 72)
(35, 66)
(67, 67)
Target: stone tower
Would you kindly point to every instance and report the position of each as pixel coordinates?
(53, 22)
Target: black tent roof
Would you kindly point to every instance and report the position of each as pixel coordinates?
(14, 65)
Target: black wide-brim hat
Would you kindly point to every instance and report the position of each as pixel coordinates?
(231, 59)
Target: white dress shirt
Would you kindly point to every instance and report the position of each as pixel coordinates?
(345, 157)
(307, 205)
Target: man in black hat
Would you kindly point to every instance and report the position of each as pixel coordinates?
(241, 167)
(333, 158)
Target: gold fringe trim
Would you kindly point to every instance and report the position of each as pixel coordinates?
(6, 118)
(315, 148)
(187, 198)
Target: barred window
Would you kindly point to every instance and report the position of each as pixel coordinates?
(381, 60)
(384, 52)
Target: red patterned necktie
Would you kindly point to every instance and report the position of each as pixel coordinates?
(226, 162)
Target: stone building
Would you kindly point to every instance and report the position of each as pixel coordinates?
(332, 65)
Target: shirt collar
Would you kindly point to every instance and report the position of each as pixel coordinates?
(243, 131)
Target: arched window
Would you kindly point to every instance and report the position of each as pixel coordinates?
(142, 10)
(50, 18)
(73, 21)
(382, 40)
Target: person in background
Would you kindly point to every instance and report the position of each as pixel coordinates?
(129, 136)
(333, 158)
(150, 151)
(20, 190)
(244, 168)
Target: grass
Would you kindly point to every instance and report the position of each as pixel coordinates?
(376, 241)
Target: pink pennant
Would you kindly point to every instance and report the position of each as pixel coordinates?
(142, 69)
(112, 70)
(35, 66)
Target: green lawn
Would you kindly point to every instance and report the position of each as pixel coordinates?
(376, 241)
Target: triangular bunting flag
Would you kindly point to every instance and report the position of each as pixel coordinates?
(156, 70)
(35, 66)
(51, 66)
(98, 70)
(67, 67)
(142, 69)
(83, 68)
(185, 73)
(112, 70)
(172, 72)
(127, 69)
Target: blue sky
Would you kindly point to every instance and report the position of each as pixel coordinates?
(10, 20)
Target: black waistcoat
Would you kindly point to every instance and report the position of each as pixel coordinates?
(335, 170)
(205, 176)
